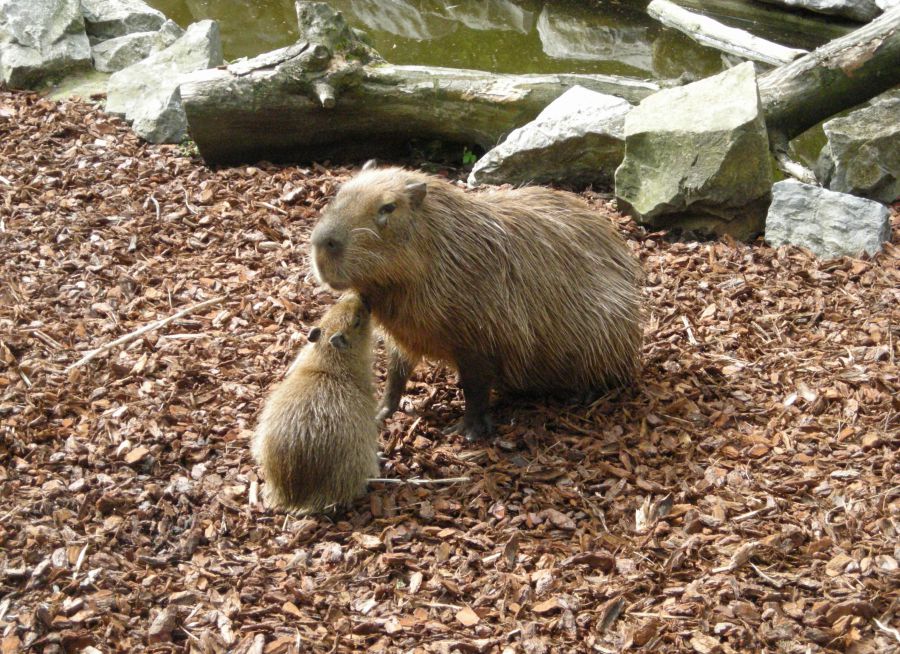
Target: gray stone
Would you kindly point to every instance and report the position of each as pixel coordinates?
(123, 51)
(827, 223)
(107, 19)
(41, 40)
(862, 155)
(579, 138)
(697, 157)
(147, 93)
(861, 10)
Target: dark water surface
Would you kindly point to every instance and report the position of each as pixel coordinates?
(509, 36)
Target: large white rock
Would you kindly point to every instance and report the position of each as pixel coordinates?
(107, 19)
(862, 155)
(123, 51)
(861, 10)
(147, 93)
(41, 40)
(697, 157)
(828, 223)
(579, 138)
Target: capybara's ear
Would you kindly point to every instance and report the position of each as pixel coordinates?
(371, 164)
(339, 341)
(314, 334)
(416, 192)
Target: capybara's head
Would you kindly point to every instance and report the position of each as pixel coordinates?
(359, 240)
(345, 327)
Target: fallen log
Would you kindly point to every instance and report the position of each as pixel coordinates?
(836, 76)
(331, 95)
(711, 33)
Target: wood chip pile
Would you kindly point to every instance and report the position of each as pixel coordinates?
(744, 498)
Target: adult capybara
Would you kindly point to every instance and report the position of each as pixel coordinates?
(317, 439)
(526, 290)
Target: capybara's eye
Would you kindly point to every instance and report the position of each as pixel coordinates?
(388, 208)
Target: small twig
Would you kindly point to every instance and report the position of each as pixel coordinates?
(775, 582)
(80, 561)
(183, 337)
(188, 205)
(24, 377)
(690, 333)
(778, 143)
(152, 199)
(128, 338)
(415, 481)
(52, 342)
(273, 208)
(888, 630)
(661, 616)
(10, 513)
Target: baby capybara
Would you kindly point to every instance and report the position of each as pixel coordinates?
(317, 439)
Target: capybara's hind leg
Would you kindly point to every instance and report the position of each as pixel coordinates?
(399, 369)
(476, 377)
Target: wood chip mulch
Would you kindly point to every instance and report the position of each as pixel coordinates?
(744, 498)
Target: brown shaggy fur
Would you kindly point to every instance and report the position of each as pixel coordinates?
(317, 439)
(526, 290)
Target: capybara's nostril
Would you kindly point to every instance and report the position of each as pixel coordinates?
(328, 241)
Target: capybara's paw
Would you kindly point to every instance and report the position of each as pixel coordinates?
(384, 412)
(474, 429)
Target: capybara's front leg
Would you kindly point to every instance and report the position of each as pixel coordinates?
(399, 369)
(476, 377)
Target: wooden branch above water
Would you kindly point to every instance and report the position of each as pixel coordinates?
(712, 33)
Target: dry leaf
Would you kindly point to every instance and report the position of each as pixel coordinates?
(467, 617)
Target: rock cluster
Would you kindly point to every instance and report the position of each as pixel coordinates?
(41, 42)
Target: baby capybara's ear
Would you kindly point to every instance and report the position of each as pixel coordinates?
(339, 341)
(371, 164)
(314, 334)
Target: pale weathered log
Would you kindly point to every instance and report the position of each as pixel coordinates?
(239, 118)
(836, 76)
(710, 32)
(331, 95)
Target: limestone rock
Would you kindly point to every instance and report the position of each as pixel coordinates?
(107, 19)
(829, 224)
(578, 139)
(123, 51)
(41, 40)
(147, 93)
(861, 10)
(697, 157)
(862, 155)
